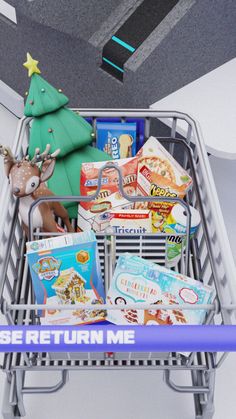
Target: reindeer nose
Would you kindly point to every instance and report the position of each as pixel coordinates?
(16, 190)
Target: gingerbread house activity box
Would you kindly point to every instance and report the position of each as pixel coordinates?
(137, 280)
(66, 270)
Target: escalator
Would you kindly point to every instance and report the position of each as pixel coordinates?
(134, 31)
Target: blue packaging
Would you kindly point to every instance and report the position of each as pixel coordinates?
(137, 280)
(117, 139)
(66, 270)
(140, 127)
(140, 131)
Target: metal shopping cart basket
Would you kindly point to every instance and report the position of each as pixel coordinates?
(207, 258)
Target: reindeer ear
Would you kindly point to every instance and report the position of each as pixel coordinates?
(47, 170)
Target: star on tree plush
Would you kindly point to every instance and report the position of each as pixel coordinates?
(32, 65)
(42, 98)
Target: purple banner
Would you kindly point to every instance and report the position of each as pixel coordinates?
(110, 338)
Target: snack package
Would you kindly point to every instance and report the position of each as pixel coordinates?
(140, 127)
(131, 221)
(176, 222)
(95, 214)
(140, 131)
(136, 280)
(159, 174)
(118, 139)
(66, 270)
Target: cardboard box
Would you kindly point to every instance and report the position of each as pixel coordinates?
(159, 174)
(95, 214)
(138, 280)
(66, 270)
(118, 139)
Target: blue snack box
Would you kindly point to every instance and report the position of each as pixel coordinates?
(117, 139)
(140, 127)
(140, 131)
(66, 270)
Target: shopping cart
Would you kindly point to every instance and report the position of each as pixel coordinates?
(207, 257)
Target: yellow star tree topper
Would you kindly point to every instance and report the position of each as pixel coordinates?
(31, 65)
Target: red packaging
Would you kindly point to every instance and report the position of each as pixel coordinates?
(109, 196)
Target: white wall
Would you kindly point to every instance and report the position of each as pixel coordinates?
(8, 126)
(224, 172)
(8, 11)
(11, 109)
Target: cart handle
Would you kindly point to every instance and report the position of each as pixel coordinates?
(112, 338)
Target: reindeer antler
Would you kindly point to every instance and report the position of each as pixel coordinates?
(45, 155)
(9, 159)
(6, 153)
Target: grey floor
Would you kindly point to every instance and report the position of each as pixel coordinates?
(117, 395)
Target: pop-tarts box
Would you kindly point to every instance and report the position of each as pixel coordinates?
(137, 280)
(118, 139)
(66, 270)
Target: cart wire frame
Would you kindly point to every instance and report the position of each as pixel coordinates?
(206, 257)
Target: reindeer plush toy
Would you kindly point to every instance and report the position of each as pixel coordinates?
(27, 181)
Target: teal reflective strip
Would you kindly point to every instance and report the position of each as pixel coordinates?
(123, 44)
(112, 64)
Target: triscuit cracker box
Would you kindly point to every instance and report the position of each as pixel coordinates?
(118, 139)
(131, 221)
(95, 214)
(137, 280)
(159, 174)
(66, 270)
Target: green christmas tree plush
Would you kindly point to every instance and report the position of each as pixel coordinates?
(60, 127)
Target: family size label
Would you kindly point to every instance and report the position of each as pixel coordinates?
(131, 221)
